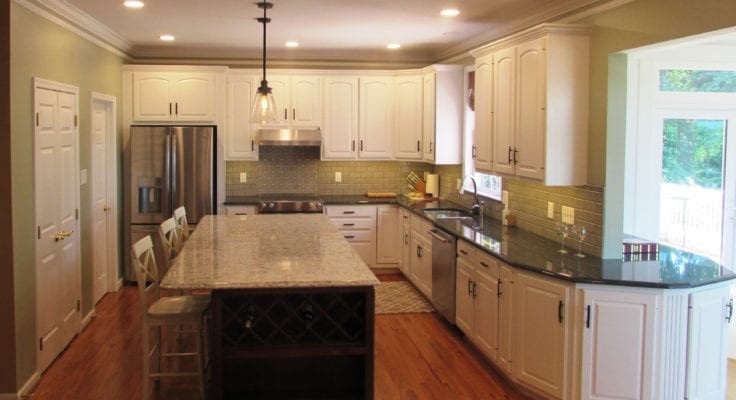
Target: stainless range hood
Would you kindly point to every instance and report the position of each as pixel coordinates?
(290, 137)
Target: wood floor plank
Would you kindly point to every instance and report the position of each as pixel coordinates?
(418, 356)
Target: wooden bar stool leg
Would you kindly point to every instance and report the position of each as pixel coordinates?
(146, 357)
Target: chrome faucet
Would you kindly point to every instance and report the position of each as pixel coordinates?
(477, 208)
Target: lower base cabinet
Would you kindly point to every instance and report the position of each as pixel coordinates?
(421, 264)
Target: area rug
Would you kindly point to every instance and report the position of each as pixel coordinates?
(400, 298)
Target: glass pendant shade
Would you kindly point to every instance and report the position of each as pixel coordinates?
(264, 107)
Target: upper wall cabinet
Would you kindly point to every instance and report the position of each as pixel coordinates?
(240, 138)
(408, 132)
(376, 119)
(164, 96)
(538, 102)
(482, 148)
(340, 128)
(297, 99)
(442, 114)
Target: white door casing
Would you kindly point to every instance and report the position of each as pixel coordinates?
(58, 279)
(103, 189)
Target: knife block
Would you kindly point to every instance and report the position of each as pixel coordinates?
(421, 187)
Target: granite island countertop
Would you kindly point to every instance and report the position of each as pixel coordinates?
(267, 251)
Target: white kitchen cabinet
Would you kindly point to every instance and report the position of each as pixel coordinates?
(505, 317)
(340, 128)
(421, 255)
(442, 113)
(297, 99)
(241, 133)
(540, 101)
(388, 228)
(408, 133)
(376, 117)
(483, 90)
(464, 302)
(405, 264)
(710, 312)
(167, 96)
(357, 223)
(618, 344)
(541, 334)
(240, 210)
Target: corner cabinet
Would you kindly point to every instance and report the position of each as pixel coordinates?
(482, 146)
(442, 113)
(165, 96)
(241, 133)
(539, 104)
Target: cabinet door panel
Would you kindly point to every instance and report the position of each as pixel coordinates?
(482, 143)
(195, 97)
(617, 345)
(486, 313)
(405, 243)
(305, 101)
(707, 345)
(421, 265)
(540, 345)
(376, 117)
(409, 117)
(429, 146)
(504, 110)
(340, 118)
(387, 237)
(241, 133)
(505, 312)
(464, 305)
(152, 96)
(280, 88)
(366, 251)
(530, 137)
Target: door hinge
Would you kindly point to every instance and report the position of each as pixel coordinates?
(38, 118)
(79, 305)
(39, 231)
(40, 344)
(76, 121)
(76, 213)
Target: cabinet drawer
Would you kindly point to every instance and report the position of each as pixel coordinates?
(240, 210)
(353, 223)
(351, 211)
(358, 236)
(488, 264)
(467, 252)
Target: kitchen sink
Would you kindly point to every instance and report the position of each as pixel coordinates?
(447, 213)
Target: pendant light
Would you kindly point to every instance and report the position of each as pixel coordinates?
(264, 108)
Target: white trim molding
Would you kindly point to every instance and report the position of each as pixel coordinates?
(88, 319)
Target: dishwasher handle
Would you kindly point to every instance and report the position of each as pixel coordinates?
(437, 235)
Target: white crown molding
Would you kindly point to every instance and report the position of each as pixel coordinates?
(75, 20)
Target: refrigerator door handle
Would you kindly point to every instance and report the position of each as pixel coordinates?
(174, 155)
(168, 185)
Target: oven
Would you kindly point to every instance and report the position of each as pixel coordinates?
(289, 203)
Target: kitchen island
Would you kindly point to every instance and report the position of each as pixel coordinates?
(292, 306)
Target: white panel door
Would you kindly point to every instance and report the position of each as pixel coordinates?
(387, 237)
(57, 202)
(241, 138)
(428, 118)
(305, 101)
(340, 118)
(618, 339)
(409, 117)
(100, 202)
(152, 96)
(376, 117)
(421, 265)
(194, 97)
(485, 292)
(505, 315)
(405, 243)
(279, 85)
(464, 304)
(483, 92)
(531, 114)
(539, 343)
(504, 110)
(707, 344)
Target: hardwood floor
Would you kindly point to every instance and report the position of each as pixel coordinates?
(731, 378)
(418, 356)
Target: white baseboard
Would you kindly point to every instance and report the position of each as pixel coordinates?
(119, 284)
(8, 396)
(25, 391)
(87, 319)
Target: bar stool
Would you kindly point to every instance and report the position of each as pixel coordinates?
(180, 217)
(157, 312)
(170, 240)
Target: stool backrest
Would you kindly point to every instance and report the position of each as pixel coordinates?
(146, 272)
(180, 216)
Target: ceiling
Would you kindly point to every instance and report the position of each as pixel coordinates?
(347, 30)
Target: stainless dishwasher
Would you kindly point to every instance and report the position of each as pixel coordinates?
(443, 273)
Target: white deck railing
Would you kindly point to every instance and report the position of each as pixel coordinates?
(691, 218)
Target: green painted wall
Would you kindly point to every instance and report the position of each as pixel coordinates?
(633, 25)
(40, 48)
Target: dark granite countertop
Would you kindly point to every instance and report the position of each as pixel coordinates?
(527, 251)
(241, 200)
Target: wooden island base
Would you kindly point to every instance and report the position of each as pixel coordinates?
(285, 343)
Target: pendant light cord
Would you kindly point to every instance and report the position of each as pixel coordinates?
(264, 41)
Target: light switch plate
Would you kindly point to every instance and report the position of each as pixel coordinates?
(243, 177)
(83, 177)
(338, 177)
(550, 210)
(568, 215)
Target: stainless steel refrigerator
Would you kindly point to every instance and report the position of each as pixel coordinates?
(167, 167)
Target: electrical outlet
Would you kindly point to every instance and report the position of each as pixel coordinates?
(568, 215)
(338, 177)
(550, 210)
(505, 198)
(243, 177)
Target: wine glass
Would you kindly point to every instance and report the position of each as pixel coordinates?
(563, 230)
(580, 232)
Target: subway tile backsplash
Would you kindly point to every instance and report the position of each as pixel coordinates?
(299, 170)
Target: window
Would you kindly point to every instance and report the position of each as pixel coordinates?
(704, 81)
(488, 185)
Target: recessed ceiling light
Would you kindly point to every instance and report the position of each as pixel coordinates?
(167, 38)
(291, 43)
(133, 3)
(393, 46)
(450, 12)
